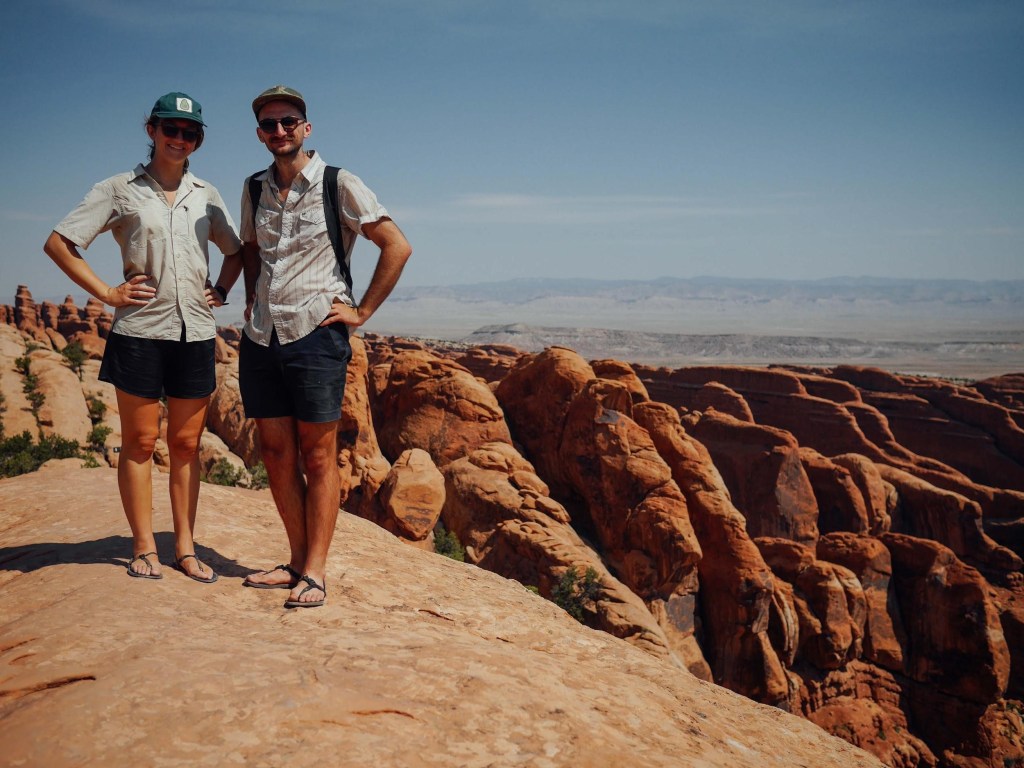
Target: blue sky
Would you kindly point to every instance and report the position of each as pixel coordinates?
(561, 139)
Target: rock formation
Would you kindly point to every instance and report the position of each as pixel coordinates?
(844, 544)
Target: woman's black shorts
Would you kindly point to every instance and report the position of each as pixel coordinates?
(153, 368)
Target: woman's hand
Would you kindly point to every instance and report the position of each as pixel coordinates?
(214, 297)
(132, 292)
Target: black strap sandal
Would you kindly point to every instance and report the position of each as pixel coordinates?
(308, 603)
(144, 557)
(178, 564)
(296, 576)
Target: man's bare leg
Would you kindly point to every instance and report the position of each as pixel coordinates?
(319, 445)
(279, 445)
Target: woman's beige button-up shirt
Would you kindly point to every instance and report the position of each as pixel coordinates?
(166, 242)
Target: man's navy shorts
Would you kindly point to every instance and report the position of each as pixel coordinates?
(152, 368)
(304, 379)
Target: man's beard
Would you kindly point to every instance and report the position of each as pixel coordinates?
(287, 152)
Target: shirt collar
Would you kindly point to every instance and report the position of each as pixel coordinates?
(311, 174)
(188, 180)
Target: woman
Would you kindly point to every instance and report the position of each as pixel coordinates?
(162, 340)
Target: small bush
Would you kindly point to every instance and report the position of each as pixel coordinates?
(97, 409)
(259, 479)
(572, 594)
(224, 473)
(75, 356)
(447, 543)
(18, 455)
(98, 435)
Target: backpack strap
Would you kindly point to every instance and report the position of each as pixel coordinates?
(255, 190)
(332, 217)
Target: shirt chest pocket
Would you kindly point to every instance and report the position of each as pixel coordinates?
(192, 221)
(309, 225)
(149, 221)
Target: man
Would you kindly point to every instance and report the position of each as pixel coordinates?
(295, 348)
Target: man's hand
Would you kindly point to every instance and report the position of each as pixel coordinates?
(132, 292)
(343, 313)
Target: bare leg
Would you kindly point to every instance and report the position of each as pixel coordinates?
(140, 427)
(186, 419)
(318, 443)
(279, 446)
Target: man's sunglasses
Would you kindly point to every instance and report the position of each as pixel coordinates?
(171, 131)
(269, 124)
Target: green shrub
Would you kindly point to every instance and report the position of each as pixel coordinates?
(572, 594)
(75, 356)
(224, 473)
(97, 409)
(258, 477)
(447, 543)
(98, 435)
(18, 454)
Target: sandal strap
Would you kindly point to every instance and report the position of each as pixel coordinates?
(285, 567)
(144, 557)
(312, 585)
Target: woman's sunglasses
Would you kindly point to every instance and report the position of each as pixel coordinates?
(171, 132)
(269, 124)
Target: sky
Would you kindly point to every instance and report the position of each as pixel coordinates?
(557, 138)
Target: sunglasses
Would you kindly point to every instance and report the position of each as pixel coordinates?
(269, 124)
(172, 131)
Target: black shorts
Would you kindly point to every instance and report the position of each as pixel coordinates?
(152, 368)
(304, 379)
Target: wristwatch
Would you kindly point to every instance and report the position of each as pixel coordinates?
(223, 293)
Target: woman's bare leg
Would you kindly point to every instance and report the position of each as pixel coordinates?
(186, 420)
(140, 427)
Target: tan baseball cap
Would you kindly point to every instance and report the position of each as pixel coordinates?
(279, 93)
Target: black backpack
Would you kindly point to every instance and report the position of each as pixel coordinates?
(331, 217)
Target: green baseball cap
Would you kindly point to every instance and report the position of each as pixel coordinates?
(178, 105)
(279, 93)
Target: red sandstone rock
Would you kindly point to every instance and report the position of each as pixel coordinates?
(501, 511)
(63, 411)
(635, 507)
(412, 496)
(840, 501)
(762, 469)
(947, 613)
(26, 314)
(879, 496)
(720, 398)
(490, 362)
(827, 598)
(226, 418)
(613, 370)
(439, 406)
(92, 345)
(361, 464)
(863, 705)
(735, 583)
(947, 517)
(536, 396)
(1007, 390)
(869, 560)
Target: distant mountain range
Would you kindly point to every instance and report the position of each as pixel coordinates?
(731, 289)
(952, 327)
